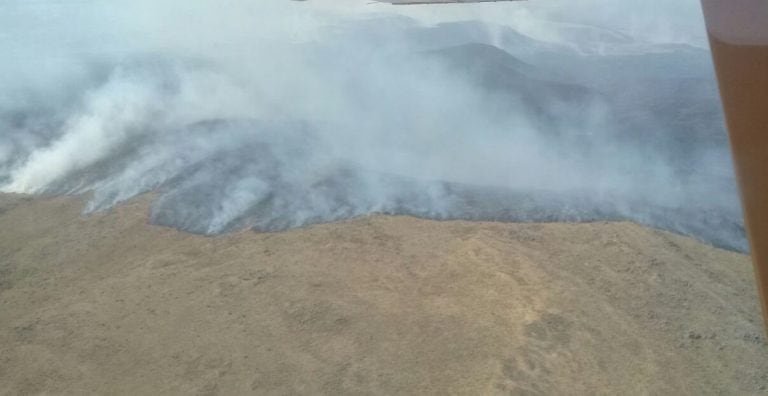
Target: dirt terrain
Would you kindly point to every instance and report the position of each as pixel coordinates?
(108, 304)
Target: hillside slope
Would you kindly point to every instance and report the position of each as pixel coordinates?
(107, 304)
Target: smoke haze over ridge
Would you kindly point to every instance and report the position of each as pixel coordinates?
(279, 114)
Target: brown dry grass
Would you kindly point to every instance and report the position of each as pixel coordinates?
(108, 304)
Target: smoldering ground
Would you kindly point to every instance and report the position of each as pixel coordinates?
(274, 116)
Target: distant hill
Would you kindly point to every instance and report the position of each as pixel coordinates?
(517, 85)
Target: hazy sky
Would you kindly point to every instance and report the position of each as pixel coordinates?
(654, 20)
(73, 22)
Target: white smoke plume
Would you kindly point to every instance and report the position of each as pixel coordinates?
(279, 114)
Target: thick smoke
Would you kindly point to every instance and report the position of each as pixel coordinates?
(274, 115)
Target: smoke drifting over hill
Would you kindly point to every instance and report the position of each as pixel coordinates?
(281, 114)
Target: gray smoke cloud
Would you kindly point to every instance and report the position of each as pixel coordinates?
(280, 114)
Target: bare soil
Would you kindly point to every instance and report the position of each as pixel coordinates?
(108, 304)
